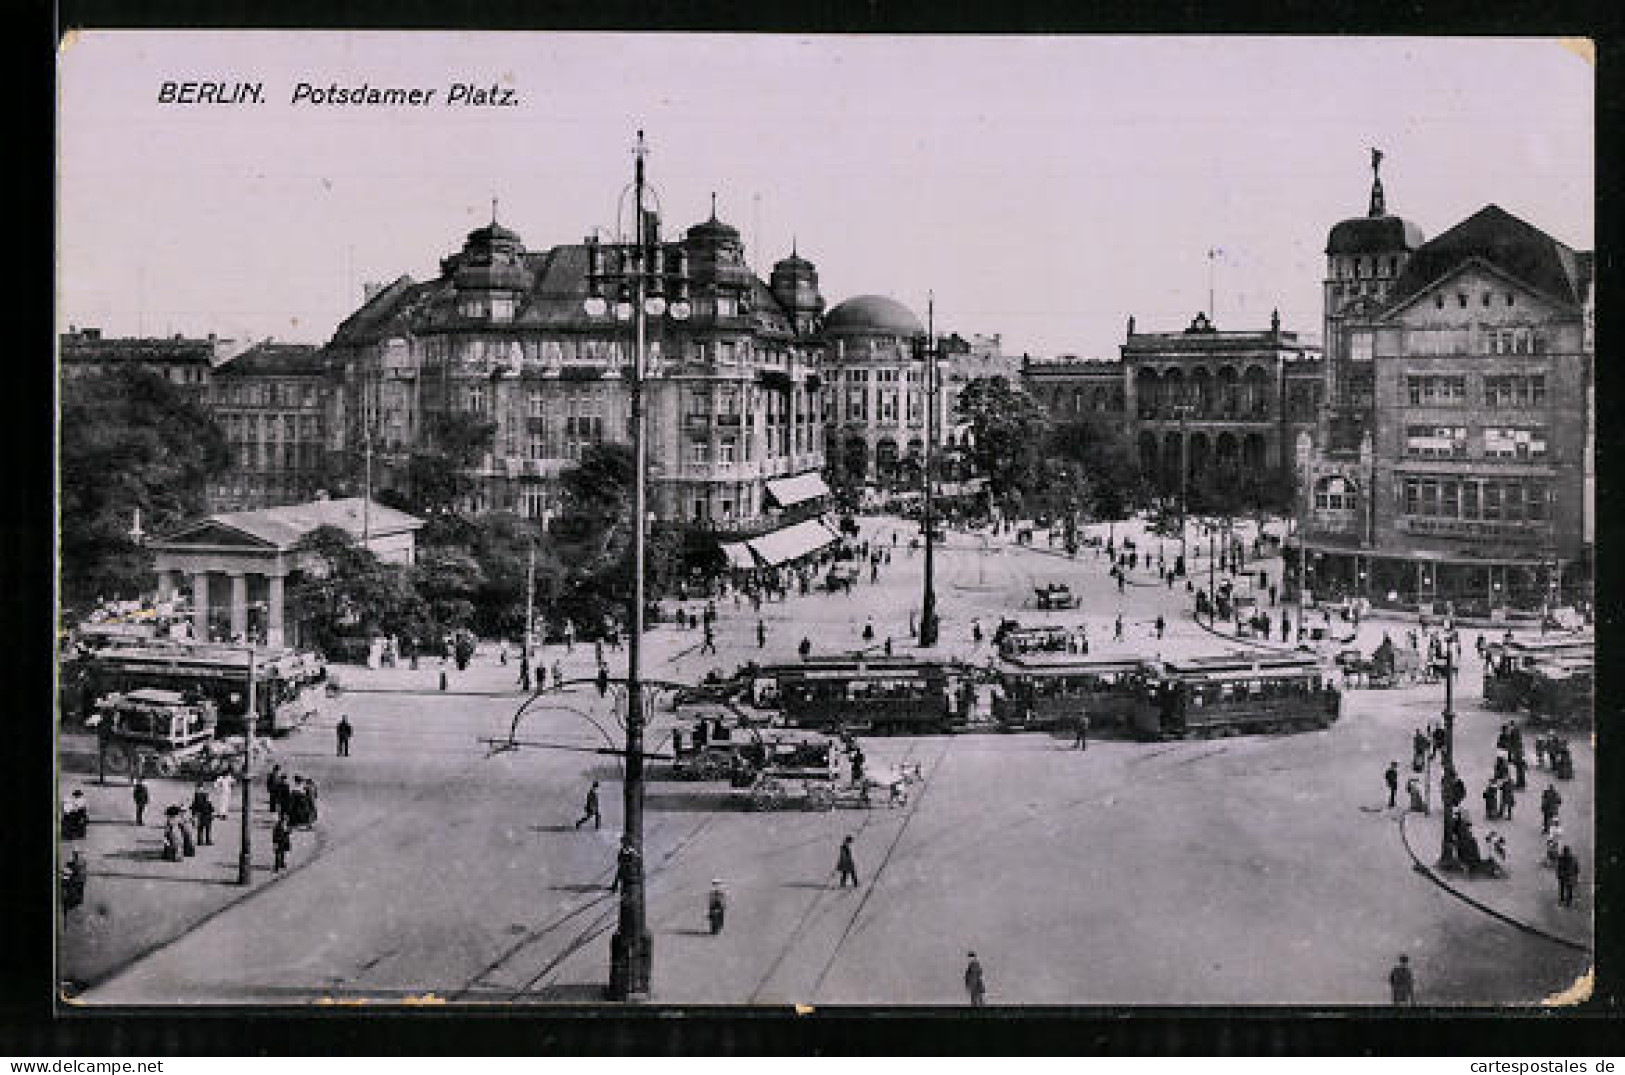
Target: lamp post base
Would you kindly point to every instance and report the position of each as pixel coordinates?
(630, 966)
(928, 631)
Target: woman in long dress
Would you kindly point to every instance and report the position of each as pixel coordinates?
(222, 795)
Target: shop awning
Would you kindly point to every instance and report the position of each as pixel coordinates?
(792, 542)
(787, 492)
(738, 555)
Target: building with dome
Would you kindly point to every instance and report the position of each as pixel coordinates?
(875, 392)
(734, 409)
(1450, 469)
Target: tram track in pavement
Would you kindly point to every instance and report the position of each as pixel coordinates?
(818, 901)
(598, 926)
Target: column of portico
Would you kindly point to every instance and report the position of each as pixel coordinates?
(274, 633)
(166, 586)
(200, 605)
(239, 605)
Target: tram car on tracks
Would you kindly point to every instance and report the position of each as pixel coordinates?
(871, 695)
(1237, 694)
(285, 681)
(1048, 691)
(1014, 640)
(1550, 678)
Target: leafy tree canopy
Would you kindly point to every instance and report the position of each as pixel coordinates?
(129, 439)
(1008, 433)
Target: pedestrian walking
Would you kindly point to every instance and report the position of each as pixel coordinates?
(1550, 800)
(1401, 983)
(761, 634)
(203, 814)
(1392, 777)
(273, 788)
(1520, 770)
(281, 843)
(716, 906)
(591, 809)
(344, 732)
(975, 985)
(844, 864)
(1492, 800)
(1568, 873)
(1117, 628)
(1082, 741)
(172, 834)
(1161, 626)
(443, 674)
(222, 796)
(869, 630)
(1508, 799)
(888, 646)
(188, 834)
(805, 648)
(141, 796)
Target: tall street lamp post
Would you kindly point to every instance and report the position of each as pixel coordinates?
(245, 852)
(1447, 779)
(639, 269)
(927, 349)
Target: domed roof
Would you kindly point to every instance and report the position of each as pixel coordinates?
(1373, 235)
(793, 262)
(494, 233)
(714, 230)
(874, 314)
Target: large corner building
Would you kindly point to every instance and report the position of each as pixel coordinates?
(1451, 467)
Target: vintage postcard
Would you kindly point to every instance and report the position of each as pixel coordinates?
(688, 519)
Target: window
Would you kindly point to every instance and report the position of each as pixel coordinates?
(699, 451)
(1360, 346)
(726, 450)
(1515, 391)
(537, 404)
(1513, 502)
(1511, 340)
(1492, 500)
(1469, 500)
(1505, 442)
(534, 503)
(1334, 494)
(1430, 497)
(1461, 299)
(1535, 498)
(1436, 390)
(1449, 499)
(1436, 442)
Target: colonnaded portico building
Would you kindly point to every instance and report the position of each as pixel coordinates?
(236, 567)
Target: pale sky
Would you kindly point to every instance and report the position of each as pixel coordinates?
(1044, 187)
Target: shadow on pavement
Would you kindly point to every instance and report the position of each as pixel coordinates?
(689, 802)
(231, 881)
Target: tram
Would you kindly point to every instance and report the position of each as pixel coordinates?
(285, 682)
(1548, 676)
(1238, 694)
(1045, 691)
(875, 695)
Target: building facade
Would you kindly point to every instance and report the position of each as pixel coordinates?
(1197, 398)
(732, 395)
(185, 362)
(876, 392)
(1201, 399)
(1451, 469)
(270, 401)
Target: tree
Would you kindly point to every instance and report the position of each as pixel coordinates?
(447, 581)
(591, 541)
(1008, 433)
(345, 591)
(129, 440)
(441, 476)
(1116, 485)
